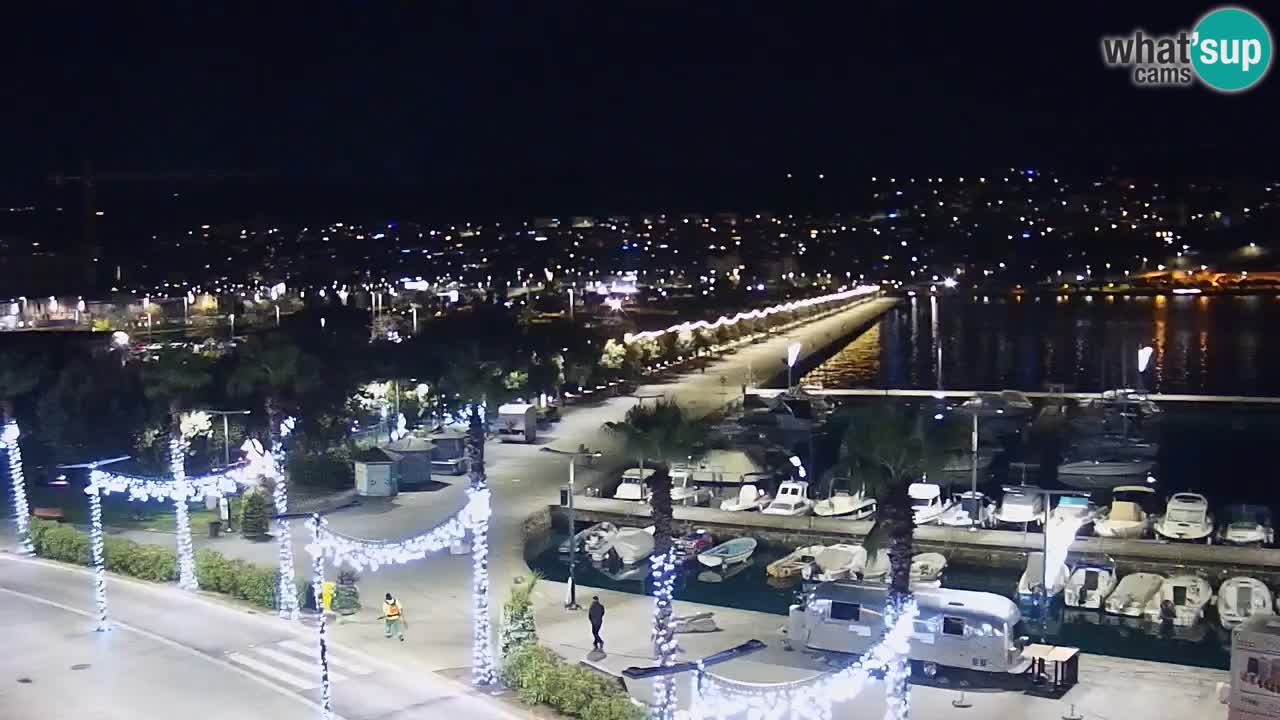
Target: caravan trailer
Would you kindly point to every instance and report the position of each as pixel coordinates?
(954, 628)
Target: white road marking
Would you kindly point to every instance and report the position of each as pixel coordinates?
(309, 668)
(336, 658)
(275, 673)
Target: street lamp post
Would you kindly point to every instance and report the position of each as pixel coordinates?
(223, 505)
(583, 451)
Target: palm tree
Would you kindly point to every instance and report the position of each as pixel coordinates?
(19, 375)
(889, 448)
(175, 377)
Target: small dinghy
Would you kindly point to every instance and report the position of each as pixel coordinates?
(837, 562)
(927, 569)
(728, 553)
(1240, 598)
(794, 563)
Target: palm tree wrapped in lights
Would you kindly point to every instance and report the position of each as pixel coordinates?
(19, 375)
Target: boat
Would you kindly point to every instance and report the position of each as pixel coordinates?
(1186, 517)
(720, 467)
(927, 569)
(1132, 593)
(1125, 518)
(591, 538)
(720, 574)
(1075, 510)
(1032, 581)
(634, 485)
(1107, 444)
(1240, 598)
(836, 562)
(633, 544)
(1020, 508)
(877, 567)
(971, 509)
(842, 504)
(728, 553)
(1247, 525)
(749, 497)
(926, 502)
(685, 492)
(793, 564)
(691, 543)
(793, 499)
(1089, 585)
(993, 404)
(1107, 466)
(1181, 601)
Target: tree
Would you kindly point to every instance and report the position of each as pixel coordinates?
(277, 370)
(346, 596)
(253, 515)
(19, 375)
(889, 448)
(518, 626)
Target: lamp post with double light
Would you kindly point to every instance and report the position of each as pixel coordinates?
(571, 602)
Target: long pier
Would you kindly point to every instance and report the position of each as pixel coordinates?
(994, 548)
(947, 394)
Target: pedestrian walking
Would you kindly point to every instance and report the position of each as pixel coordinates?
(596, 615)
(393, 615)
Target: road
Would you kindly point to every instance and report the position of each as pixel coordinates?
(171, 652)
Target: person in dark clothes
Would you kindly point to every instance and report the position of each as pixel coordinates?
(596, 615)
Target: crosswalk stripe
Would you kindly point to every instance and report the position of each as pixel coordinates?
(271, 671)
(338, 659)
(311, 668)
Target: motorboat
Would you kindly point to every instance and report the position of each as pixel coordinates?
(1032, 582)
(591, 538)
(1107, 444)
(794, 563)
(685, 492)
(971, 509)
(691, 543)
(749, 497)
(856, 507)
(1020, 508)
(1181, 600)
(877, 567)
(793, 499)
(1247, 525)
(728, 553)
(1240, 598)
(633, 544)
(721, 467)
(1075, 510)
(1089, 585)
(926, 502)
(836, 562)
(1130, 402)
(927, 569)
(1113, 465)
(720, 574)
(634, 485)
(1132, 594)
(1125, 518)
(1186, 517)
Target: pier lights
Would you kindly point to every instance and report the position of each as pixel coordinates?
(793, 354)
(571, 600)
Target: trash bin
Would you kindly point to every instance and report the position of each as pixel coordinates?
(215, 528)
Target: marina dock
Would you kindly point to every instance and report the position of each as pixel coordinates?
(1039, 395)
(993, 548)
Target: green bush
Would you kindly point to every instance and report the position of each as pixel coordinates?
(346, 595)
(332, 471)
(59, 542)
(253, 515)
(540, 676)
(148, 562)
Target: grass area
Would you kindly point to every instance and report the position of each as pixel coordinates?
(119, 512)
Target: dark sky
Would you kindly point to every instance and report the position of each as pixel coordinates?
(373, 92)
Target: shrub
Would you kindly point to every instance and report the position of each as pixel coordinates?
(346, 596)
(253, 515)
(331, 471)
(147, 562)
(59, 542)
(518, 627)
(540, 676)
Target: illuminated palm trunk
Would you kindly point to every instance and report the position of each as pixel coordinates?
(482, 670)
(9, 434)
(288, 603)
(663, 567)
(181, 496)
(901, 523)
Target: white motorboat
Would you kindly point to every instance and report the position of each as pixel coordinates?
(1181, 600)
(1247, 525)
(1075, 510)
(633, 544)
(591, 538)
(686, 492)
(856, 507)
(927, 569)
(1032, 581)
(1020, 508)
(1240, 598)
(992, 404)
(794, 564)
(1118, 444)
(1125, 518)
(720, 467)
(1186, 517)
(749, 497)
(1089, 585)
(728, 553)
(926, 502)
(1132, 594)
(1107, 467)
(836, 562)
(793, 499)
(634, 485)
(971, 509)
(877, 567)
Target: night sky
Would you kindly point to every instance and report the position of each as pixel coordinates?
(377, 94)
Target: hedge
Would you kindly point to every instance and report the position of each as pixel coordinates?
(214, 571)
(542, 677)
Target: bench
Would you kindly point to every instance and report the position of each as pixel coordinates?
(48, 513)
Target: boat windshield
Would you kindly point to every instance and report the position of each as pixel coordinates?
(971, 505)
(1244, 524)
(781, 505)
(1186, 515)
(921, 503)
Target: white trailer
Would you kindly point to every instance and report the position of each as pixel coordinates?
(517, 422)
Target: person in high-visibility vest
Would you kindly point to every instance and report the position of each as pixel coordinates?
(393, 614)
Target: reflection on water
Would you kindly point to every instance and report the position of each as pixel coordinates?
(1218, 345)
